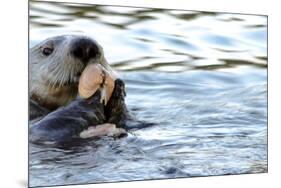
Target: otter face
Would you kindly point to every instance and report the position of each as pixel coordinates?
(55, 67)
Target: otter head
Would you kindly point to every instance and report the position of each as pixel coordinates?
(56, 65)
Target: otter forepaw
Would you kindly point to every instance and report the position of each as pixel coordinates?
(119, 88)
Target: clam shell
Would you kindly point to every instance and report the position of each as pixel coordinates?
(90, 80)
(106, 129)
(96, 77)
(108, 87)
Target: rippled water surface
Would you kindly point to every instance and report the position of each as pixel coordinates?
(201, 77)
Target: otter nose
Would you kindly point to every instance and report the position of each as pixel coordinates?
(84, 49)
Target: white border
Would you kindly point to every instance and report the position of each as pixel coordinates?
(14, 27)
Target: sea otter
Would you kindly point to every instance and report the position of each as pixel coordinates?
(55, 67)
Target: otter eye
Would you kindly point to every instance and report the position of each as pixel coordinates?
(47, 51)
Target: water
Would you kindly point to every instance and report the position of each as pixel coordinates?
(201, 77)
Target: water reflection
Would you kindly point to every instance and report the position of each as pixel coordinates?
(202, 77)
